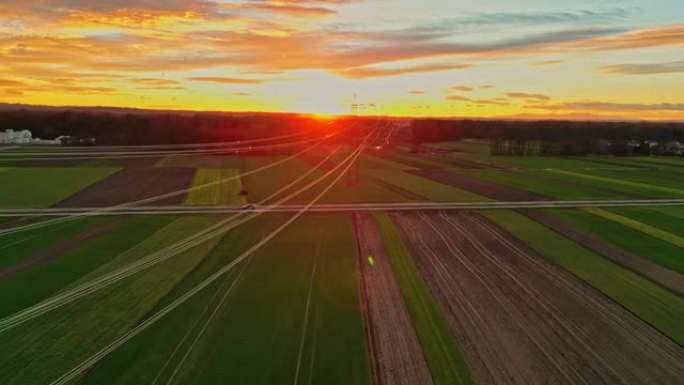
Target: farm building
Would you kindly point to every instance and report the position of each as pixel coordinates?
(15, 137)
(26, 137)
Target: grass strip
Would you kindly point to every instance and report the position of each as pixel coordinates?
(637, 225)
(621, 182)
(447, 364)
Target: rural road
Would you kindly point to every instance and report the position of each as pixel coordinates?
(341, 207)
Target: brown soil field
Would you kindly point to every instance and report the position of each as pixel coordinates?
(149, 161)
(461, 161)
(521, 320)
(59, 248)
(384, 155)
(396, 355)
(132, 184)
(478, 186)
(41, 163)
(632, 261)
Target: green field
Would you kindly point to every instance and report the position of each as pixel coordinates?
(656, 250)
(31, 353)
(261, 185)
(267, 307)
(443, 357)
(224, 193)
(291, 313)
(54, 275)
(539, 185)
(45, 186)
(648, 177)
(672, 163)
(654, 304)
(637, 225)
(15, 247)
(620, 184)
(665, 219)
(546, 162)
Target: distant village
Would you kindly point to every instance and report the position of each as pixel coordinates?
(26, 137)
(596, 146)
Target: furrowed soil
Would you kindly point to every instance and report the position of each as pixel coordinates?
(639, 264)
(521, 320)
(133, 184)
(396, 355)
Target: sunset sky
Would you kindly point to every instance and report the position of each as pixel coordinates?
(531, 58)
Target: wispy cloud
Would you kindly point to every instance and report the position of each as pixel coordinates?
(457, 98)
(154, 81)
(10, 83)
(610, 106)
(367, 72)
(547, 62)
(648, 68)
(491, 102)
(225, 80)
(525, 95)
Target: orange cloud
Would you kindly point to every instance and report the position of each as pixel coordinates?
(290, 9)
(154, 82)
(524, 95)
(671, 35)
(610, 106)
(367, 72)
(492, 102)
(10, 83)
(226, 80)
(647, 68)
(457, 98)
(547, 62)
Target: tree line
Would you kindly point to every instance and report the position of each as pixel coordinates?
(555, 137)
(112, 128)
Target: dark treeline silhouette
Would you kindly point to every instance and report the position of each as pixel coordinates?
(107, 128)
(554, 137)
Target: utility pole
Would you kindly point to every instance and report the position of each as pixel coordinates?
(355, 107)
(353, 173)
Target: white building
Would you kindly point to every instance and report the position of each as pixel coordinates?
(25, 137)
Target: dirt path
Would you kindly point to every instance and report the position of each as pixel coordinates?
(132, 184)
(396, 355)
(521, 320)
(60, 248)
